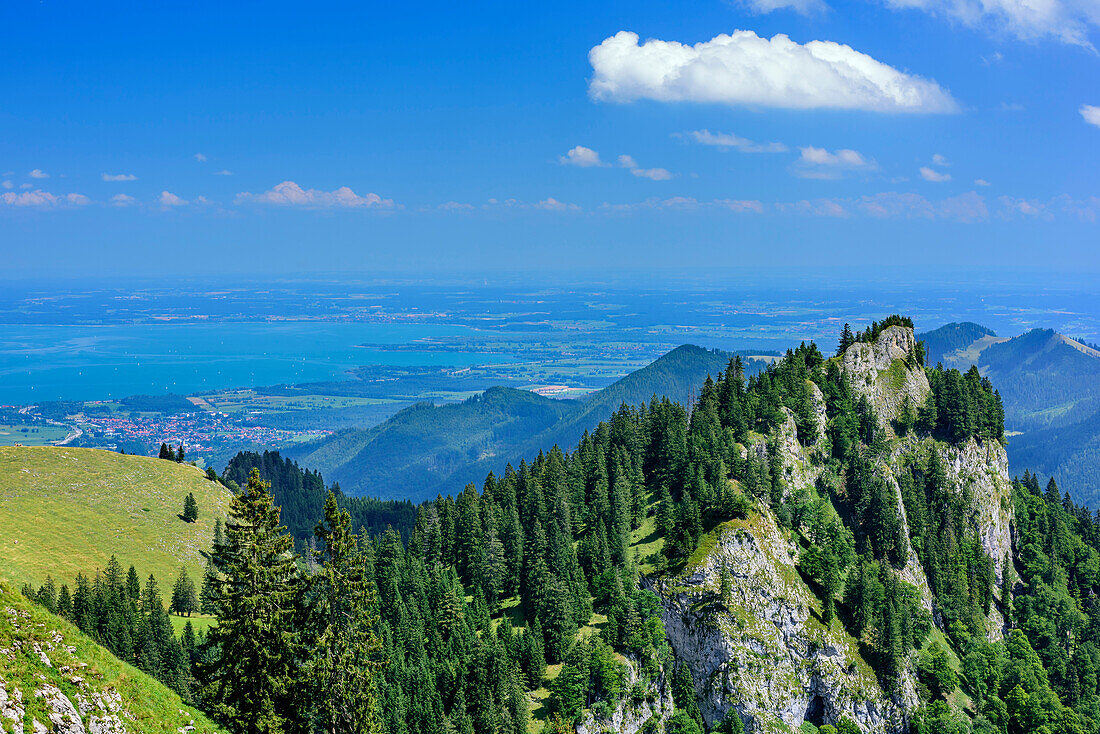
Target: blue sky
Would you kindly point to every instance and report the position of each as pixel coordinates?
(316, 137)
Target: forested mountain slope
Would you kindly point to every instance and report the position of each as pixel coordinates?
(426, 449)
(834, 542)
(1050, 385)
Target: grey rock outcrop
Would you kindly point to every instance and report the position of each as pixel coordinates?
(763, 651)
(631, 716)
(879, 371)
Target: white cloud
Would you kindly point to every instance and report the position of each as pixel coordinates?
(1027, 207)
(122, 200)
(740, 205)
(289, 193)
(1091, 113)
(966, 208)
(38, 173)
(7, 185)
(167, 198)
(688, 203)
(551, 204)
(455, 206)
(725, 141)
(653, 174)
(1069, 21)
(1010, 107)
(820, 163)
(806, 7)
(43, 199)
(939, 160)
(981, 182)
(119, 177)
(934, 176)
(200, 158)
(223, 172)
(745, 69)
(582, 157)
(818, 208)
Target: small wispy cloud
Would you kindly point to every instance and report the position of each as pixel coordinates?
(550, 204)
(1091, 113)
(981, 182)
(223, 172)
(822, 164)
(930, 174)
(455, 206)
(653, 174)
(200, 158)
(940, 160)
(119, 177)
(729, 141)
(43, 199)
(805, 7)
(38, 173)
(168, 199)
(582, 157)
(291, 194)
(123, 200)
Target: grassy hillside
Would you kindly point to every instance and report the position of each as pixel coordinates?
(72, 668)
(426, 450)
(65, 511)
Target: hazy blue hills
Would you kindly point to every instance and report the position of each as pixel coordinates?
(427, 449)
(1050, 385)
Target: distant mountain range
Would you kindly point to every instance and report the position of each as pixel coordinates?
(427, 449)
(1050, 385)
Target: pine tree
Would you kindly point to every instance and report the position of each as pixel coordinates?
(254, 644)
(179, 453)
(190, 508)
(344, 648)
(847, 339)
(184, 599)
(165, 452)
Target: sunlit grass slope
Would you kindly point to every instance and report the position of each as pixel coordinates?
(65, 511)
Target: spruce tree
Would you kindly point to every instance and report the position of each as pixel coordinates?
(344, 648)
(254, 645)
(190, 508)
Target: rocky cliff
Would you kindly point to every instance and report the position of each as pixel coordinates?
(762, 649)
(644, 713)
(755, 642)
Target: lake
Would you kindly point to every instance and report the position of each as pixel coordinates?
(62, 362)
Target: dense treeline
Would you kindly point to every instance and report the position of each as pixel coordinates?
(301, 493)
(961, 406)
(1043, 677)
(130, 620)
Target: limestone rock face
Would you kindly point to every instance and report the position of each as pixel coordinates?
(879, 371)
(983, 469)
(798, 468)
(61, 712)
(630, 716)
(11, 708)
(763, 651)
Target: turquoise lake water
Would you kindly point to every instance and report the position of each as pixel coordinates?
(39, 363)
